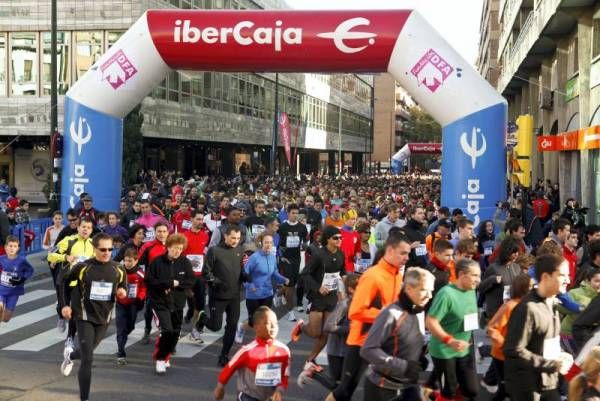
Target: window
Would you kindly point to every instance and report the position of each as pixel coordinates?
(89, 50)
(2, 65)
(24, 63)
(113, 37)
(63, 62)
(160, 92)
(186, 90)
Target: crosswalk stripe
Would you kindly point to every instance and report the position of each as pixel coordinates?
(108, 346)
(37, 282)
(26, 319)
(34, 296)
(188, 349)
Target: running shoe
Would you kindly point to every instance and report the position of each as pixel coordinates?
(67, 365)
(195, 336)
(312, 366)
(61, 325)
(161, 367)
(121, 361)
(291, 316)
(297, 330)
(146, 339)
(239, 333)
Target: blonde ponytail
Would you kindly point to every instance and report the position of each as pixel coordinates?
(590, 369)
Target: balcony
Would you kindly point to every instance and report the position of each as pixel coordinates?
(511, 11)
(537, 38)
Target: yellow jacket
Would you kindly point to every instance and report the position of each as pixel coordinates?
(72, 245)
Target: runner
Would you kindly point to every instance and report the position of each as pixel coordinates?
(262, 366)
(87, 296)
(14, 271)
(167, 278)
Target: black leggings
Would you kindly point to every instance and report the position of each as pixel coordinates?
(253, 304)
(550, 395)
(336, 365)
(214, 322)
(90, 336)
(198, 301)
(458, 372)
(169, 323)
(354, 368)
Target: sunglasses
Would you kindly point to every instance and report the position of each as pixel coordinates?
(75, 219)
(105, 249)
(336, 237)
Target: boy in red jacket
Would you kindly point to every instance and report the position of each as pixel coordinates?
(128, 307)
(263, 364)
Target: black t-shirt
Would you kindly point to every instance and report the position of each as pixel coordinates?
(292, 238)
(256, 225)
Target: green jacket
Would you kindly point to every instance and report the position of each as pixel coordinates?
(583, 295)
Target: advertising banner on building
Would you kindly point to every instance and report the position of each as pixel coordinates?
(32, 171)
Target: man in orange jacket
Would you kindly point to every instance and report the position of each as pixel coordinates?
(378, 287)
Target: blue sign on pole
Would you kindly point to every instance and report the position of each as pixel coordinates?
(474, 163)
(92, 151)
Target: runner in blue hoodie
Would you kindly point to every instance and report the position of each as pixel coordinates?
(14, 270)
(261, 271)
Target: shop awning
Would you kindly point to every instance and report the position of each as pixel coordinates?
(585, 138)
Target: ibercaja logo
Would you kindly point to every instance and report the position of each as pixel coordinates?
(431, 70)
(117, 70)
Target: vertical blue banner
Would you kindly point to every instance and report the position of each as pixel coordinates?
(92, 157)
(474, 163)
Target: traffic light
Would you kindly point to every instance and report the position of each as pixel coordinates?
(522, 151)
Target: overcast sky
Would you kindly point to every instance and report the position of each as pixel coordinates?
(457, 20)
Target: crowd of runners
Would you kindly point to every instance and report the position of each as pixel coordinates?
(373, 269)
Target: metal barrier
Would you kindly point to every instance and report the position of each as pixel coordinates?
(38, 228)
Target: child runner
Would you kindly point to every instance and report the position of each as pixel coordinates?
(263, 364)
(14, 270)
(127, 308)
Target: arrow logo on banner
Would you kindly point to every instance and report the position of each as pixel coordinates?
(342, 33)
(430, 76)
(114, 74)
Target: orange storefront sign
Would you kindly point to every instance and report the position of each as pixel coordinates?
(586, 138)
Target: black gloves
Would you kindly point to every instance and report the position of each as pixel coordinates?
(17, 281)
(413, 369)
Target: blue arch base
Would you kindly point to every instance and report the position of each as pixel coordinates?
(92, 157)
(473, 165)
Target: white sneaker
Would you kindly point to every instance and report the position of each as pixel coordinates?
(239, 333)
(490, 389)
(161, 367)
(61, 325)
(291, 316)
(67, 365)
(300, 309)
(167, 364)
(195, 336)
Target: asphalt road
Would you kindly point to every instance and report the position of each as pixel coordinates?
(31, 352)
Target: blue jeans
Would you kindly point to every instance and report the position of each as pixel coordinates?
(126, 316)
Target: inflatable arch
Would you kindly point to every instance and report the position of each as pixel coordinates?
(401, 42)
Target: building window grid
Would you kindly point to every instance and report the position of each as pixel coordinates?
(3, 64)
(23, 70)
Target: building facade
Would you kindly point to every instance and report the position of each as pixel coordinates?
(197, 121)
(549, 67)
(487, 59)
(391, 111)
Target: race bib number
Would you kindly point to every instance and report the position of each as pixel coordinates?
(421, 250)
(331, 281)
(471, 322)
(506, 293)
(101, 291)
(131, 291)
(361, 265)
(80, 259)
(5, 278)
(268, 374)
(186, 224)
(257, 229)
(292, 241)
(488, 251)
(197, 262)
(552, 348)
(308, 227)
(150, 234)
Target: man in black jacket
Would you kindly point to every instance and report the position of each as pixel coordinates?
(223, 273)
(532, 344)
(167, 278)
(587, 323)
(415, 230)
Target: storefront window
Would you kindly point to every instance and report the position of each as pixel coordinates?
(24, 63)
(2, 65)
(63, 62)
(89, 50)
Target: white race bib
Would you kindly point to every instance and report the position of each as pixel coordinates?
(421, 250)
(257, 229)
(506, 293)
(552, 348)
(308, 227)
(80, 259)
(361, 265)
(5, 278)
(488, 251)
(197, 262)
(150, 234)
(101, 291)
(331, 281)
(268, 374)
(131, 291)
(186, 224)
(471, 322)
(292, 241)
(131, 223)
